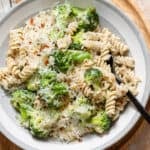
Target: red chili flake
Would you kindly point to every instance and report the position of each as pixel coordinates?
(31, 21)
(30, 42)
(42, 25)
(46, 62)
(22, 38)
(43, 46)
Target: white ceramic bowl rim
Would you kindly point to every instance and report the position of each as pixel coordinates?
(147, 92)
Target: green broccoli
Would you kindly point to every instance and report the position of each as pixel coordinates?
(79, 56)
(64, 60)
(44, 82)
(55, 34)
(53, 94)
(81, 109)
(47, 95)
(101, 122)
(87, 21)
(47, 73)
(43, 78)
(25, 114)
(41, 121)
(47, 76)
(21, 97)
(34, 83)
(62, 13)
(87, 18)
(77, 11)
(77, 41)
(59, 89)
(93, 77)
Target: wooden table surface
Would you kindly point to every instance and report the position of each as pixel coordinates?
(138, 138)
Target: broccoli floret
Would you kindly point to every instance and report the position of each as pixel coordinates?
(56, 34)
(62, 13)
(79, 56)
(47, 95)
(43, 78)
(64, 60)
(77, 11)
(59, 89)
(25, 114)
(81, 109)
(87, 18)
(101, 122)
(93, 77)
(53, 94)
(41, 121)
(21, 97)
(47, 76)
(47, 73)
(77, 41)
(44, 82)
(34, 83)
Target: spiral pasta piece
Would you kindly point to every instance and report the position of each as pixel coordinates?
(126, 61)
(106, 32)
(16, 38)
(64, 43)
(94, 36)
(111, 103)
(7, 80)
(118, 47)
(99, 62)
(95, 45)
(72, 28)
(26, 73)
(120, 105)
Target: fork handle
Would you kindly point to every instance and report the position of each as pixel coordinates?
(139, 107)
(10, 2)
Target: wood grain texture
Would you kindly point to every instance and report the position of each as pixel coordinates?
(5, 144)
(131, 8)
(139, 137)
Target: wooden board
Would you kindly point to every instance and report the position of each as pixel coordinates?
(139, 137)
(131, 8)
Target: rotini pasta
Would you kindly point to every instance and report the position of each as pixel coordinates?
(72, 28)
(16, 38)
(111, 103)
(118, 47)
(126, 61)
(64, 42)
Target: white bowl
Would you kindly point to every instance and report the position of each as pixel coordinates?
(110, 17)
